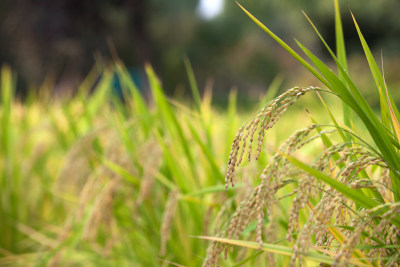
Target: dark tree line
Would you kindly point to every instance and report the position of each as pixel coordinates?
(60, 38)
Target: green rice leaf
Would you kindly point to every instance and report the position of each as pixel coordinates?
(6, 100)
(341, 55)
(165, 111)
(277, 249)
(193, 84)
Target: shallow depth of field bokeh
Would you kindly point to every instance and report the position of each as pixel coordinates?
(117, 120)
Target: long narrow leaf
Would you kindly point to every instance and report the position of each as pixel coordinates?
(341, 55)
(193, 84)
(277, 249)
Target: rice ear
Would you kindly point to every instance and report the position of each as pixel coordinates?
(265, 119)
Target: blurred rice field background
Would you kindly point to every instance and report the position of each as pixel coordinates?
(100, 180)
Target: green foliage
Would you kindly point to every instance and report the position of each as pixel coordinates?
(94, 179)
(348, 161)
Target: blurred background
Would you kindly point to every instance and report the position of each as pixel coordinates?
(60, 41)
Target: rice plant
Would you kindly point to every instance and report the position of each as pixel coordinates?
(345, 208)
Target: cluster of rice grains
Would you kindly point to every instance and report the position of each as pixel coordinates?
(345, 162)
(264, 120)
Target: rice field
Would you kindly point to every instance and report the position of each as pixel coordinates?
(309, 175)
(92, 180)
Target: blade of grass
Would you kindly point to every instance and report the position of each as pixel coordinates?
(340, 46)
(165, 111)
(341, 55)
(385, 113)
(371, 61)
(378, 77)
(393, 116)
(210, 157)
(6, 101)
(199, 106)
(193, 84)
(281, 250)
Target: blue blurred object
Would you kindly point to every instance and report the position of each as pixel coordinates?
(136, 76)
